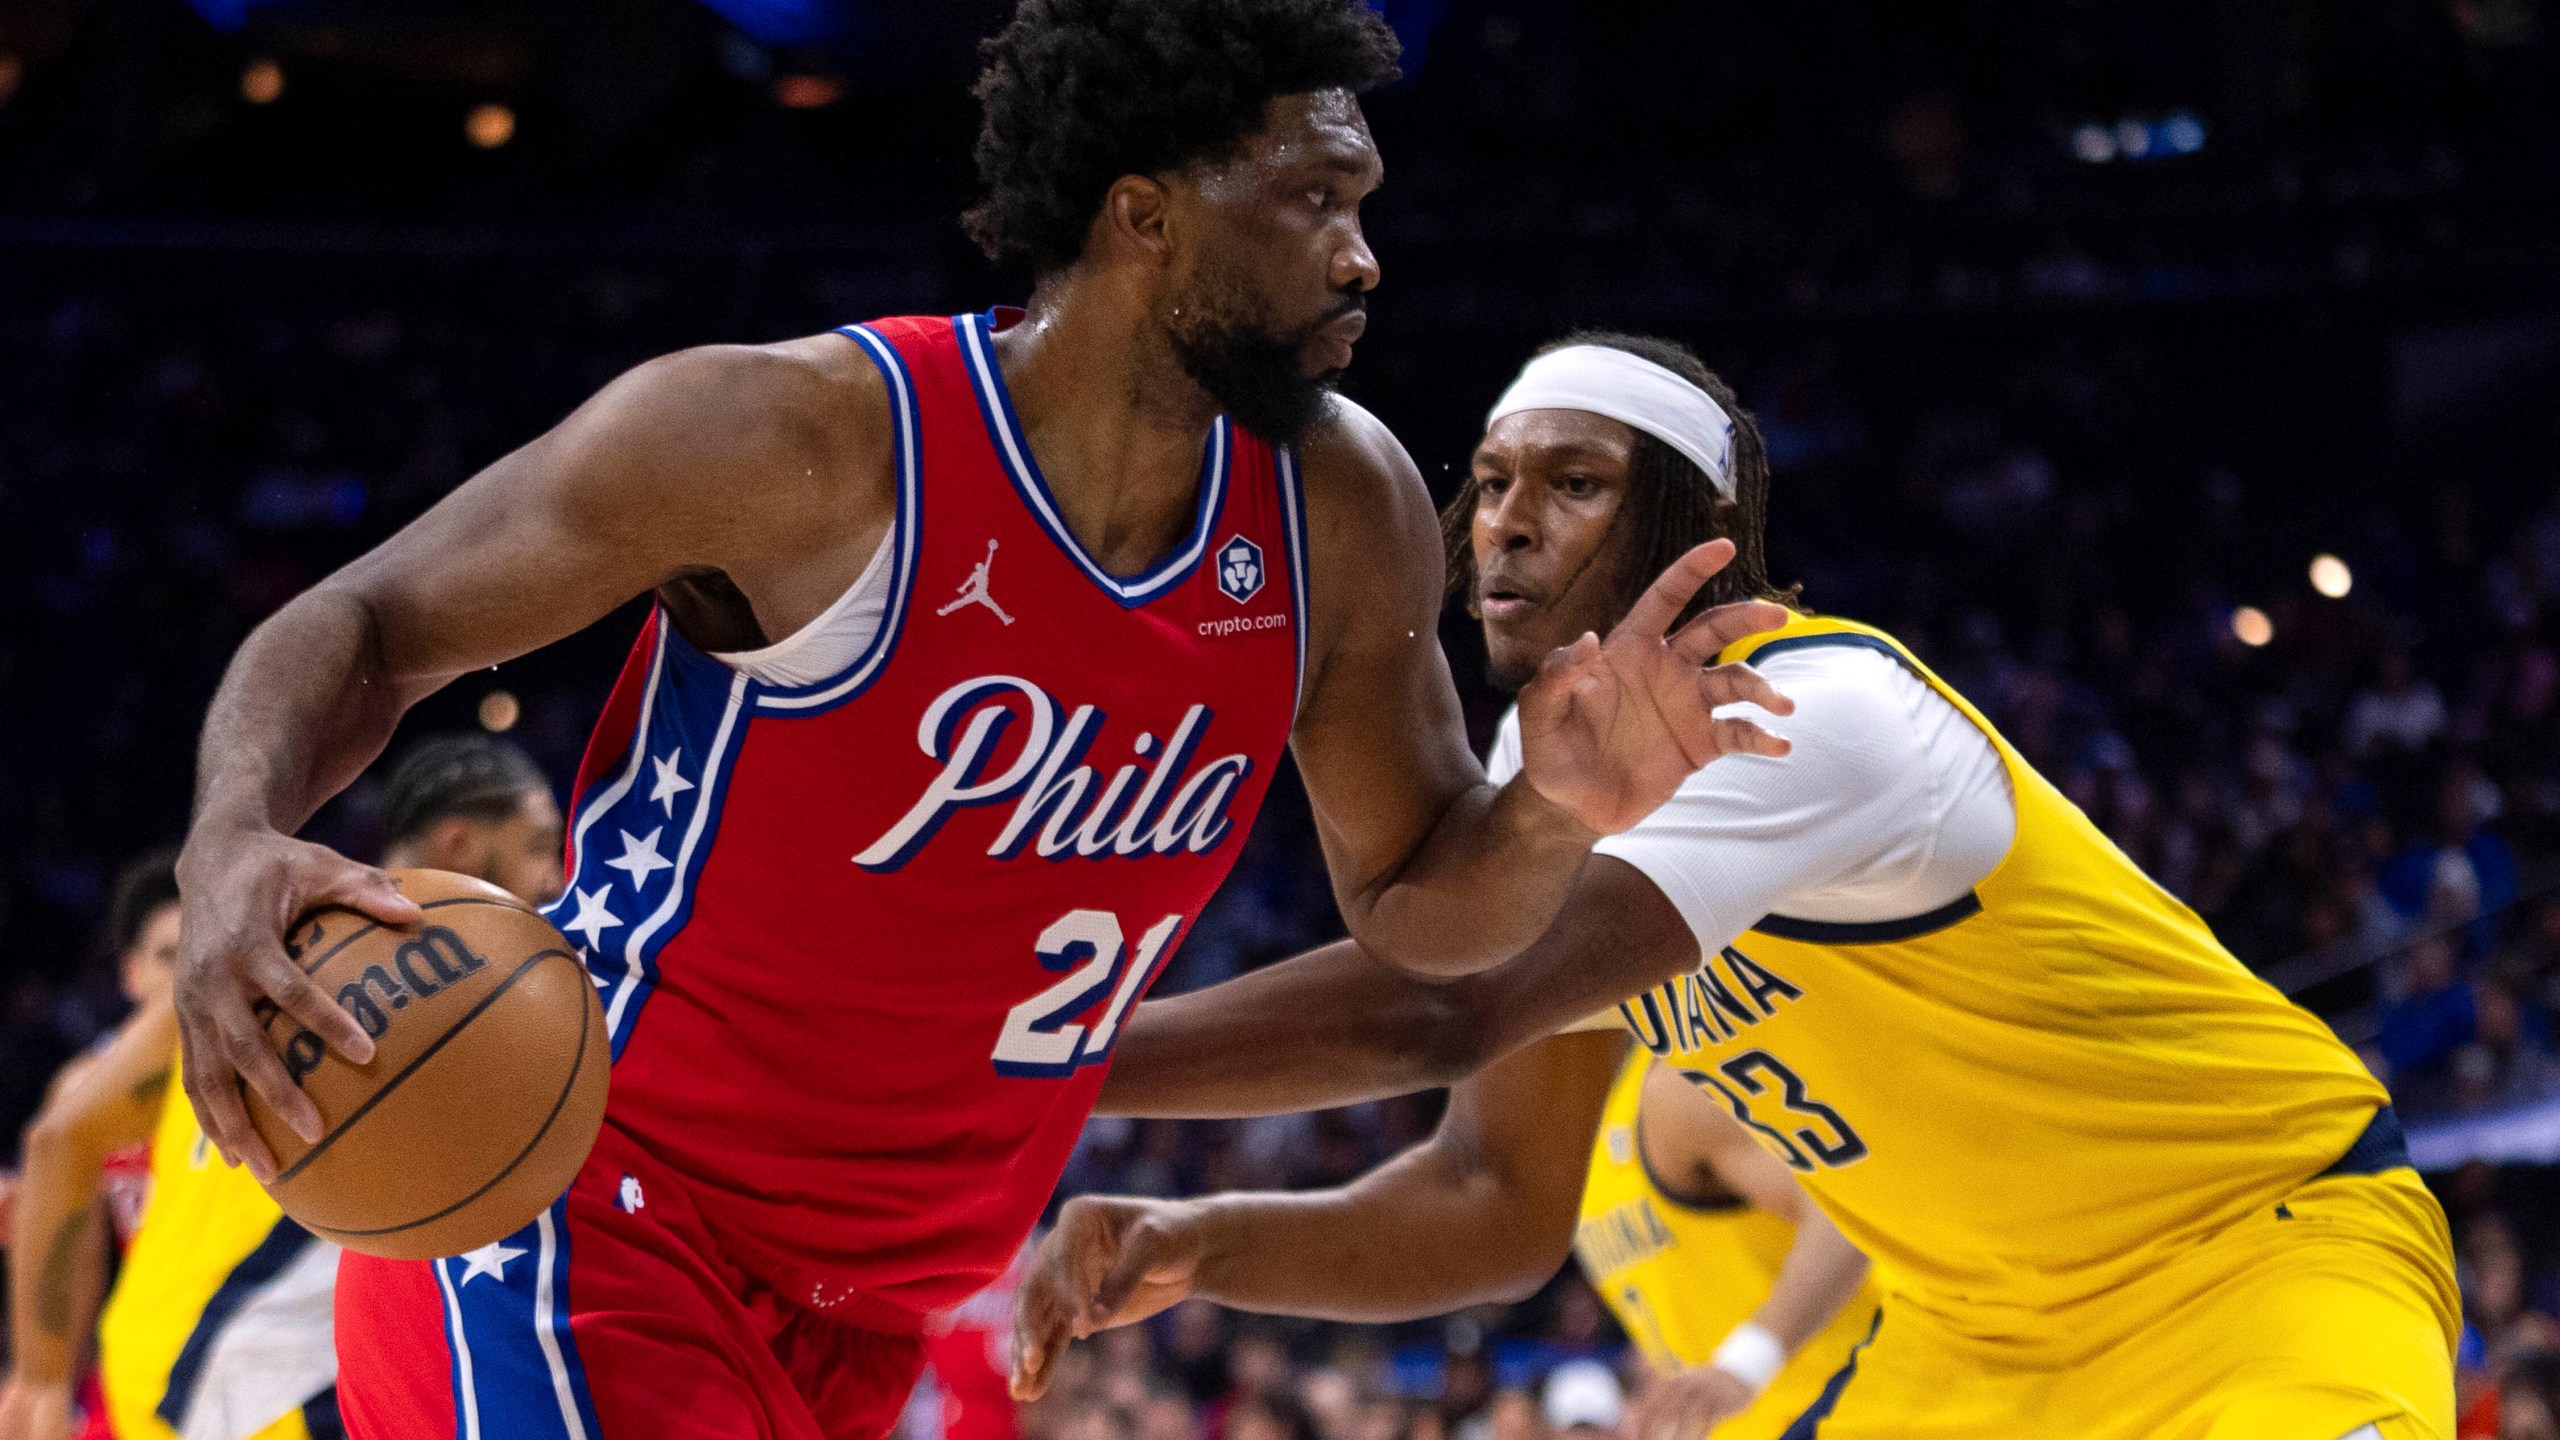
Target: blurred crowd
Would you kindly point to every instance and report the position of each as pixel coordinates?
(2076, 426)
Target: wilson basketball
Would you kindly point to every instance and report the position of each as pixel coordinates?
(487, 1082)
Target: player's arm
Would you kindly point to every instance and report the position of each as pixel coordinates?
(56, 1243)
(1334, 1027)
(1437, 871)
(719, 460)
(1686, 1132)
(1482, 1211)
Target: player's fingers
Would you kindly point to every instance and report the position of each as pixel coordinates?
(1737, 736)
(1039, 1332)
(213, 1088)
(1741, 685)
(364, 888)
(1140, 1246)
(284, 982)
(1649, 619)
(1721, 625)
(245, 1046)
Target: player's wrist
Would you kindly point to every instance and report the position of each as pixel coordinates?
(1536, 810)
(1751, 1353)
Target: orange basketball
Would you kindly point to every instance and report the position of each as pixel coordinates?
(487, 1083)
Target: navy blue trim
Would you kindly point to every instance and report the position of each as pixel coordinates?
(1871, 932)
(567, 1338)
(1013, 454)
(2382, 1146)
(1849, 638)
(320, 1416)
(255, 1272)
(906, 535)
(1809, 1424)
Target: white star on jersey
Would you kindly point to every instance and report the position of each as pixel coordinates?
(670, 782)
(640, 857)
(490, 1260)
(593, 919)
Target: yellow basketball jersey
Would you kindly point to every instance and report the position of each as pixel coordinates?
(2027, 1097)
(1680, 1275)
(219, 1324)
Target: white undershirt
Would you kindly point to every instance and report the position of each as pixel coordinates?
(1891, 805)
(823, 648)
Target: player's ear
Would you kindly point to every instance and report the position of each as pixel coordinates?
(1135, 217)
(453, 843)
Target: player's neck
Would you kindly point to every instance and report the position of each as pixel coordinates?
(1113, 423)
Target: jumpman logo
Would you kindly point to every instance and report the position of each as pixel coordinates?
(973, 591)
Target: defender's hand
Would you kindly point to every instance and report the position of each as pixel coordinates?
(1110, 1261)
(237, 894)
(1611, 727)
(33, 1411)
(1686, 1404)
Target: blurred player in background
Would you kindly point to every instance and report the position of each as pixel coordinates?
(87, 1154)
(475, 805)
(1741, 1293)
(2117, 1186)
(219, 1326)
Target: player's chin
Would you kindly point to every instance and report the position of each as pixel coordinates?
(1510, 663)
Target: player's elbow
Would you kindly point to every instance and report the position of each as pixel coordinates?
(1442, 1036)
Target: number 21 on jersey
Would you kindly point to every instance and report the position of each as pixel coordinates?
(1041, 1036)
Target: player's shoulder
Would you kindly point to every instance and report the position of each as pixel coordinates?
(1365, 498)
(787, 391)
(767, 422)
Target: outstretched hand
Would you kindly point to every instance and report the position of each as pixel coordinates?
(1610, 728)
(1109, 1262)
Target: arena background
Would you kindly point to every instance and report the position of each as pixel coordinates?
(2078, 331)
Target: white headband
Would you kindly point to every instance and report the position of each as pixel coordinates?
(1634, 391)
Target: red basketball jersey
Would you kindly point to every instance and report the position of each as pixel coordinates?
(865, 944)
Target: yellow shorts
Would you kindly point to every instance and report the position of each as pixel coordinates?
(2333, 1310)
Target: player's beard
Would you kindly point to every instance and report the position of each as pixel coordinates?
(1225, 341)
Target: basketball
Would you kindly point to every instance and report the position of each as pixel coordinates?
(487, 1082)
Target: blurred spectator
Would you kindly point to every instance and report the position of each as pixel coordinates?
(1583, 1401)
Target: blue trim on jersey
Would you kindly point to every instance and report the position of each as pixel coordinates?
(660, 818)
(1808, 1425)
(1871, 932)
(1293, 519)
(906, 534)
(507, 1308)
(1013, 450)
(1848, 639)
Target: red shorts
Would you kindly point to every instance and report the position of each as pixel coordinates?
(612, 1317)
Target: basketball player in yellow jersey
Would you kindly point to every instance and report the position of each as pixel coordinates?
(219, 1326)
(1742, 1294)
(2118, 1187)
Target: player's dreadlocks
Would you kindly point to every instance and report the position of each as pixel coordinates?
(1081, 92)
(1671, 506)
(478, 777)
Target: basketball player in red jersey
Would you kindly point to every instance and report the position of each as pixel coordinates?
(977, 640)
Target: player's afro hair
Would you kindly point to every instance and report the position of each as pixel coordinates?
(1078, 93)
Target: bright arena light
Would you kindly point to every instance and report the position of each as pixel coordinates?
(261, 81)
(2251, 627)
(490, 126)
(2330, 576)
(2094, 143)
(499, 712)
